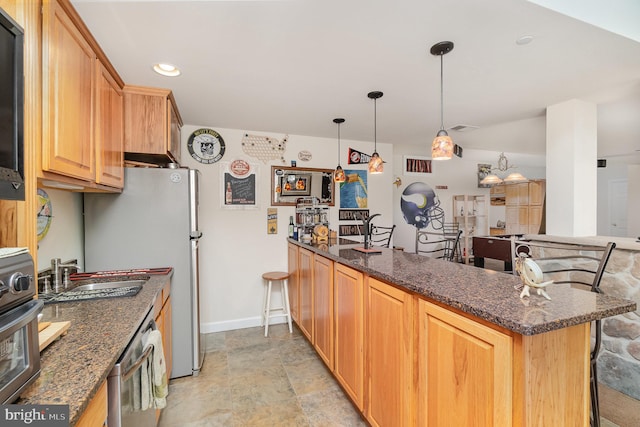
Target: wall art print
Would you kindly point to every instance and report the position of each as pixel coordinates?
(353, 192)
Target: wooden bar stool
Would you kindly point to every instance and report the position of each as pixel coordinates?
(282, 278)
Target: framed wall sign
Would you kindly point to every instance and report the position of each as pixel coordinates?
(239, 185)
(416, 165)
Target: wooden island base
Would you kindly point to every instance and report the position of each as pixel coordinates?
(407, 360)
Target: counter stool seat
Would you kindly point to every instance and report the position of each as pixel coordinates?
(280, 277)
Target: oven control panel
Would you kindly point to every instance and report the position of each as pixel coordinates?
(17, 282)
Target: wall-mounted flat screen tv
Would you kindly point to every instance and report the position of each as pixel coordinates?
(11, 109)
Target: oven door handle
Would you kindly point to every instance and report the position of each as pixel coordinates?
(151, 326)
(20, 316)
(137, 363)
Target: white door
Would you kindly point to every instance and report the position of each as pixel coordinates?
(618, 207)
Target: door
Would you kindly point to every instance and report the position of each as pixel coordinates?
(618, 189)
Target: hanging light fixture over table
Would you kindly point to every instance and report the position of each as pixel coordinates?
(376, 165)
(442, 146)
(338, 175)
(503, 166)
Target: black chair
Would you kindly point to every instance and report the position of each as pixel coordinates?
(381, 236)
(437, 244)
(582, 266)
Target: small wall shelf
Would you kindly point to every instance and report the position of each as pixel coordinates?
(471, 213)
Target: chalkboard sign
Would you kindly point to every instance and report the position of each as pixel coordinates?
(239, 191)
(239, 185)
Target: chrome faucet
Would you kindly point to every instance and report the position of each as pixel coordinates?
(367, 230)
(57, 282)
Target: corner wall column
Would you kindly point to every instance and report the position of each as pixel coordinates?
(572, 144)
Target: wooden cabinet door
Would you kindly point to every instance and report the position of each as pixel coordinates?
(534, 219)
(323, 308)
(511, 219)
(349, 330)
(536, 192)
(511, 195)
(109, 130)
(523, 193)
(292, 282)
(389, 341)
(68, 83)
(465, 371)
(523, 219)
(305, 268)
(175, 126)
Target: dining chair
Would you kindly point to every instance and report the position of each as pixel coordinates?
(437, 244)
(381, 236)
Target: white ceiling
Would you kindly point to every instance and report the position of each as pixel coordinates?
(291, 67)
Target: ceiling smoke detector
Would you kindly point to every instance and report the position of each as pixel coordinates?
(464, 128)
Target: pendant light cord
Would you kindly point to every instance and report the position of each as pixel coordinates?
(338, 144)
(375, 126)
(441, 95)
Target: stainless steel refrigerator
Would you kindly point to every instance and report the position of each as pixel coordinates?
(154, 223)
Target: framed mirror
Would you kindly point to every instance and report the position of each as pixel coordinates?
(288, 184)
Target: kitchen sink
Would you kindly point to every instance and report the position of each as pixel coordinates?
(101, 286)
(96, 290)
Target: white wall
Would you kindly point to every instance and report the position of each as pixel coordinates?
(236, 249)
(633, 202)
(65, 239)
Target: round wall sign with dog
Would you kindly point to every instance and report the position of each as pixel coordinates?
(206, 146)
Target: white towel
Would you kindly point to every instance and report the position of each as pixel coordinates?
(153, 381)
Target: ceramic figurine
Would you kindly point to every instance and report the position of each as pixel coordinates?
(531, 276)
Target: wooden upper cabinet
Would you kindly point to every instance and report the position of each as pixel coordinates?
(109, 129)
(536, 192)
(68, 81)
(152, 125)
(82, 120)
(511, 195)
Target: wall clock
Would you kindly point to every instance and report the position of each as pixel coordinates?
(206, 146)
(45, 212)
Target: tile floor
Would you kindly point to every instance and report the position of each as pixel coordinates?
(248, 380)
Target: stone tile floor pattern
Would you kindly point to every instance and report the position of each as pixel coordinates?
(248, 380)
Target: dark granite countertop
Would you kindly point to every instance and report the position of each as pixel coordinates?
(74, 366)
(489, 295)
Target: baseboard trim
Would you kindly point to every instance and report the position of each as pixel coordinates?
(232, 325)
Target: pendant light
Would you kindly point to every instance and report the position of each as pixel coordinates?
(442, 146)
(376, 165)
(338, 175)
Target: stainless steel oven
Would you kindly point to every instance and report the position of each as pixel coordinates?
(19, 352)
(126, 408)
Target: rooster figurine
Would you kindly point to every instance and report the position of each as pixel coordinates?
(531, 276)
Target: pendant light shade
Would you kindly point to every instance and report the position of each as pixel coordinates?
(338, 175)
(503, 166)
(442, 146)
(376, 165)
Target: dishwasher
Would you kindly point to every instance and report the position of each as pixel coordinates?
(124, 382)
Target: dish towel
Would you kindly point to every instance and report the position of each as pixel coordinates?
(153, 381)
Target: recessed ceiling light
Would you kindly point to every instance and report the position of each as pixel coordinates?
(166, 69)
(522, 40)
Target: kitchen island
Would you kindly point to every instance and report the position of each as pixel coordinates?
(74, 368)
(419, 341)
